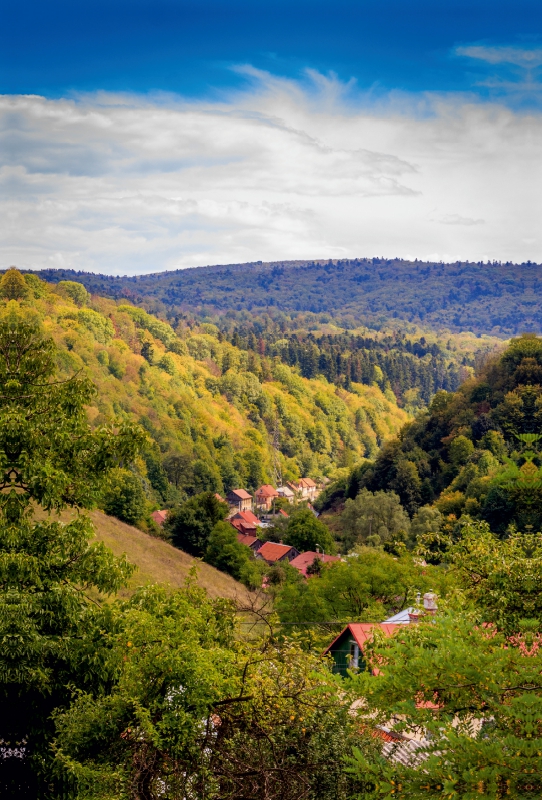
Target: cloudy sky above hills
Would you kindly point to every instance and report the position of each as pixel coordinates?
(139, 137)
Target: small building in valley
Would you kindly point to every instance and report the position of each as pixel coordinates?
(264, 497)
(159, 517)
(286, 492)
(245, 522)
(239, 500)
(304, 560)
(250, 541)
(274, 553)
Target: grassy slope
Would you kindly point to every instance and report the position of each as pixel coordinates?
(156, 560)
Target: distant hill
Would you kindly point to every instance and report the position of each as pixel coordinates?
(156, 560)
(482, 297)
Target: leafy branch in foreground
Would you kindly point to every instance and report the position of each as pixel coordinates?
(51, 576)
(467, 683)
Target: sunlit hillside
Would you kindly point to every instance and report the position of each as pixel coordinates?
(156, 561)
(217, 408)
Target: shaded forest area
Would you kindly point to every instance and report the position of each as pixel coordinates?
(481, 297)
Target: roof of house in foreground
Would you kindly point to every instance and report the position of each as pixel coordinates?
(361, 631)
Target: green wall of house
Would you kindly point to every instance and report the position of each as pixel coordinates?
(341, 652)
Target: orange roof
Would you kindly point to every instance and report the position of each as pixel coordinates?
(242, 526)
(219, 498)
(159, 517)
(283, 513)
(245, 538)
(247, 516)
(303, 560)
(267, 491)
(308, 482)
(361, 631)
(241, 494)
(271, 551)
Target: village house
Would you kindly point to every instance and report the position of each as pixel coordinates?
(264, 497)
(245, 522)
(286, 492)
(304, 489)
(273, 553)
(347, 648)
(250, 541)
(159, 517)
(304, 560)
(239, 500)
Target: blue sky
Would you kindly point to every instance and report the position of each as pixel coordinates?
(189, 46)
(140, 136)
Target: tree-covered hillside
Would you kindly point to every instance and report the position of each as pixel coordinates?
(217, 416)
(489, 298)
(474, 453)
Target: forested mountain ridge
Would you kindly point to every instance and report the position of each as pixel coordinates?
(483, 297)
(216, 416)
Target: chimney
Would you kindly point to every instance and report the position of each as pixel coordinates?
(413, 616)
(430, 603)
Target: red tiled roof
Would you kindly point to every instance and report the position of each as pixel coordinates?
(361, 631)
(271, 551)
(247, 516)
(283, 513)
(159, 517)
(245, 538)
(308, 482)
(219, 498)
(241, 494)
(303, 560)
(242, 526)
(267, 491)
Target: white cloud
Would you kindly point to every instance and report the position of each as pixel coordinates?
(520, 56)
(284, 169)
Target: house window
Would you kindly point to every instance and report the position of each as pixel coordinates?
(354, 655)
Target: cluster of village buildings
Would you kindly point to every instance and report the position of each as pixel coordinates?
(250, 514)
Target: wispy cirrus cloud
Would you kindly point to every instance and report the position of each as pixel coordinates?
(520, 56)
(283, 169)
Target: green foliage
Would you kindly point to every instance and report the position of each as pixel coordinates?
(49, 457)
(160, 330)
(369, 586)
(75, 291)
(476, 451)
(305, 532)
(197, 712)
(100, 327)
(124, 497)
(373, 518)
(227, 554)
(467, 681)
(191, 523)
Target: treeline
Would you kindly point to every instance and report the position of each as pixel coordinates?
(474, 296)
